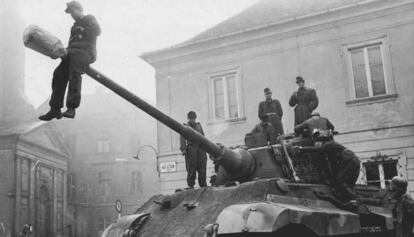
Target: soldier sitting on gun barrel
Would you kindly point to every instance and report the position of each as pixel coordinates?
(343, 165)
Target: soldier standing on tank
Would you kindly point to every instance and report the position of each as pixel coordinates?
(195, 157)
(403, 211)
(305, 101)
(273, 110)
(81, 52)
(343, 165)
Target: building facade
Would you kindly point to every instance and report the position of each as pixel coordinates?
(358, 55)
(34, 164)
(104, 138)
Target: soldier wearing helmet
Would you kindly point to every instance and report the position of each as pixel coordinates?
(403, 211)
(195, 157)
(343, 165)
(315, 122)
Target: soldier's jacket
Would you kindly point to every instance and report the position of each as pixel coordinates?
(315, 122)
(305, 100)
(274, 111)
(184, 143)
(85, 40)
(404, 216)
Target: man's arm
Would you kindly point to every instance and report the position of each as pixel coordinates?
(200, 128)
(183, 145)
(314, 101)
(300, 128)
(92, 28)
(293, 99)
(279, 110)
(261, 108)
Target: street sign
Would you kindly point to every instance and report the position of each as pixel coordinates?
(118, 206)
(168, 167)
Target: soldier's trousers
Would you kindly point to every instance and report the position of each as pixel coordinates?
(69, 71)
(196, 162)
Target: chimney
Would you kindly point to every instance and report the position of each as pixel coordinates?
(14, 106)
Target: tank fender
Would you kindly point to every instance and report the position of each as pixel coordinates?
(269, 217)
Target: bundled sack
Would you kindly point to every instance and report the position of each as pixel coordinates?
(43, 42)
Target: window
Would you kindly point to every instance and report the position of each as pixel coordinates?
(380, 173)
(369, 70)
(103, 142)
(225, 89)
(104, 182)
(136, 182)
(378, 170)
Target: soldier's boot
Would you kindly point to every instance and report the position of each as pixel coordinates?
(53, 113)
(69, 113)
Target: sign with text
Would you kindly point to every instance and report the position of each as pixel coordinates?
(168, 167)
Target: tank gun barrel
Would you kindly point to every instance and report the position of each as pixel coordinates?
(238, 163)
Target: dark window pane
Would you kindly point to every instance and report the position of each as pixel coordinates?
(390, 170)
(372, 172)
(360, 78)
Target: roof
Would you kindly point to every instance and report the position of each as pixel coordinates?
(266, 13)
(21, 128)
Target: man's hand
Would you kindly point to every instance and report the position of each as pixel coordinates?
(184, 153)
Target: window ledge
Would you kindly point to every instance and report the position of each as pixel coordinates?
(236, 120)
(370, 100)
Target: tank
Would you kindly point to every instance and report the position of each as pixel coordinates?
(271, 190)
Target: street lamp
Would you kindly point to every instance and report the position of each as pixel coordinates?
(156, 155)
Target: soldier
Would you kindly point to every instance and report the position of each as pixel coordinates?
(81, 52)
(343, 165)
(314, 122)
(305, 101)
(273, 110)
(266, 128)
(403, 211)
(195, 158)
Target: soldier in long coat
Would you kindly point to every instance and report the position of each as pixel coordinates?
(305, 101)
(273, 110)
(81, 52)
(195, 157)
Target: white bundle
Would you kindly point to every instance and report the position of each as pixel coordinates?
(43, 42)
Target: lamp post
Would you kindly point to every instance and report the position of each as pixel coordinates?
(156, 155)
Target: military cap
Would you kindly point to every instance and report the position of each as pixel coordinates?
(73, 5)
(299, 79)
(191, 115)
(399, 183)
(267, 90)
(315, 113)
